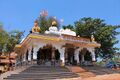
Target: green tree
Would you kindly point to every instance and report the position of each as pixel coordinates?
(8, 40)
(1, 26)
(3, 38)
(69, 27)
(13, 39)
(103, 33)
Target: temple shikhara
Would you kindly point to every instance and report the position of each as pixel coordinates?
(55, 47)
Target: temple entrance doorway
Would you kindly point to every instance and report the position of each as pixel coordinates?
(85, 57)
(48, 55)
(69, 56)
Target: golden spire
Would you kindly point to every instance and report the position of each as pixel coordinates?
(54, 23)
(36, 27)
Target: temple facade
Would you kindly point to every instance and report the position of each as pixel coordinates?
(58, 47)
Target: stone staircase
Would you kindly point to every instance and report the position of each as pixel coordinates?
(38, 72)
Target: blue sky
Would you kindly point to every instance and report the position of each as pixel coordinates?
(20, 14)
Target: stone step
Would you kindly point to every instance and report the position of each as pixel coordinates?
(42, 77)
(45, 70)
(38, 78)
(47, 73)
(42, 73)
(14, 75)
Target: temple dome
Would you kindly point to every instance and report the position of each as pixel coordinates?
(53, 30)
(67, 32)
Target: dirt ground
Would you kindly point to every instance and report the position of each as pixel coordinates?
(99, 77)
(104, 77)
(95, 73)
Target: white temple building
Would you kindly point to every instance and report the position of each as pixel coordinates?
(62, 47)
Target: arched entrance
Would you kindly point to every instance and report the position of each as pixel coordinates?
(70, 52)
(48, 54)
(85, 57)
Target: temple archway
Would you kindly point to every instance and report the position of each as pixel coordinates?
(47, 53)
(85, 57)
(70, 53)
(88, 56)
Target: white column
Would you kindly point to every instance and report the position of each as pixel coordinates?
(24, 58)
(62, 55)
(82, 58)
(92, 50)
(29, 55)
(93, 56)
(35, 53)
(76, 55)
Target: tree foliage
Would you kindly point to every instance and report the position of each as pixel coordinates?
(3, 38)
(69, 27)
(8, 40)
(13, 39)
(103, 33)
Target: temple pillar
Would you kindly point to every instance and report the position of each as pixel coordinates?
(92, 51)
(62, 56)
(93, 56)
(76, 55)
(29, 55)
(35, 49)
(82, 58)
